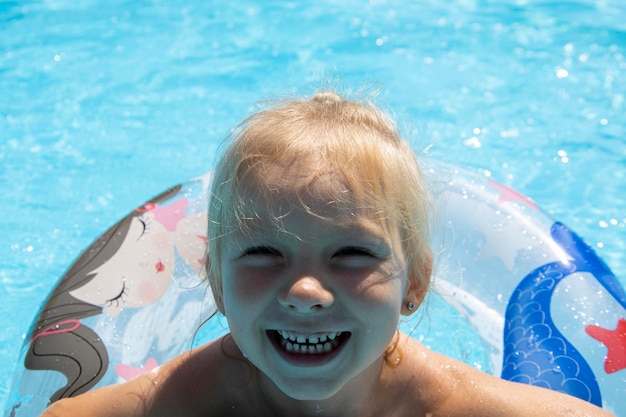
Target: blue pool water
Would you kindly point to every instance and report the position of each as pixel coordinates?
(104, 106)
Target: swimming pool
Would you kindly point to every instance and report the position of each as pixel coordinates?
(102, 108)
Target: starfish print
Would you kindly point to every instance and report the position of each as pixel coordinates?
(509, 194)
(170, 215)
(128, 372)
(615, 341)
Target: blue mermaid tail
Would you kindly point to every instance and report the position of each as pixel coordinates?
(535, 351)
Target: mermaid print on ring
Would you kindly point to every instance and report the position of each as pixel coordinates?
(139, 273)
(550, 347)
(130, 266)
(549, 311)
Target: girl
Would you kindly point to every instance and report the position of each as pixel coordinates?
(317, 243)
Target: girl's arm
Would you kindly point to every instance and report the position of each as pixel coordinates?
(169, 390)
(476, 393)
(130, 399)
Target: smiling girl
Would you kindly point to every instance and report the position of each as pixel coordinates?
(317, 244)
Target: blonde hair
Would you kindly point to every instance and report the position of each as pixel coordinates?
(299, 141)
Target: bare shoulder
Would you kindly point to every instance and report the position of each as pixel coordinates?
(447, 387)
(209, 381)
(190, 385)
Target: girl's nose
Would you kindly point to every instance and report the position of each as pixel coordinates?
(305, 295)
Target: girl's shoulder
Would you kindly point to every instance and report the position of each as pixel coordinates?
(195, 383)
(443, 386)
(432, 378)
(205, 381)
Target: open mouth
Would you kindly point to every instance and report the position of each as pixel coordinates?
(308, 344)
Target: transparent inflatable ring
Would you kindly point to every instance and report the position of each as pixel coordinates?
(549, 311)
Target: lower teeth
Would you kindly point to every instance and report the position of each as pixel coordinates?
(308, 349)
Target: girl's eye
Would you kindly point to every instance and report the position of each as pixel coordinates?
(261, 257)
(261, 251)
(354, 251)
(356, 257)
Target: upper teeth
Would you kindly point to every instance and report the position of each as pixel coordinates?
(317, 343)
(311, 339)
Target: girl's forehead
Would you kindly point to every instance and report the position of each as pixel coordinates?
(268, 211)
(297, 186)
(268, 192)
(312, 224)
(326, 202)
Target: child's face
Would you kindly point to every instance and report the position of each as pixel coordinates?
(334, 289)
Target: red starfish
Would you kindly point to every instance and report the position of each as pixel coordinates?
(128, 372)
(615, 342)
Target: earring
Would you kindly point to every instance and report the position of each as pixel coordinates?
(410, 306)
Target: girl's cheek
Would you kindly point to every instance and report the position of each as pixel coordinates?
(244, 292)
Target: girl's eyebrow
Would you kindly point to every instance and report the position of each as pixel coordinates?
(372, 228)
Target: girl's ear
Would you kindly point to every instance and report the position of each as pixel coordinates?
(419, 281)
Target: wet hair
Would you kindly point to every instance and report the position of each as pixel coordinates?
(279, 153)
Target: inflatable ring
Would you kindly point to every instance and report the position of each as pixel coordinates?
(547, 308)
